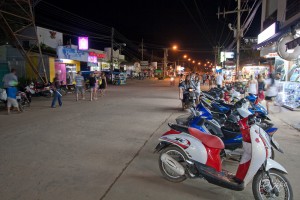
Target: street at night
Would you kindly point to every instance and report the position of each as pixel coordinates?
(104, 149)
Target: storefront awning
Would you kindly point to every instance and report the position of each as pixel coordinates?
(273, 39)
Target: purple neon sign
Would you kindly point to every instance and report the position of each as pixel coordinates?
(83, 43)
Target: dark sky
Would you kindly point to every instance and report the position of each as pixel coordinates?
(193, 25)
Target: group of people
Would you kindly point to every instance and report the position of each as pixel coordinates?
(264, 89)
(96, 82)
(189, 81)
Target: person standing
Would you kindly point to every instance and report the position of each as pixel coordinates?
(92, 82)
(181, 86)
(56, 90)
(219, 80)
(103, 84)
(261, 87)
(79, 85)
(197, 88)
(252, 86)
(10, 80)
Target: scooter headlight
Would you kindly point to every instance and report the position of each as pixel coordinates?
(190, 90)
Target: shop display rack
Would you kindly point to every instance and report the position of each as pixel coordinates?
(289, 95)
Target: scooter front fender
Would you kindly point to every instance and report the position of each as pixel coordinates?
(272, 164)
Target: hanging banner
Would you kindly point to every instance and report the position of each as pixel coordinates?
(72, 54)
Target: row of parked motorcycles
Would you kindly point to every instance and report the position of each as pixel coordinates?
(214, 131)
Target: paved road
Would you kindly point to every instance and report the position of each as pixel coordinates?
(103, 149)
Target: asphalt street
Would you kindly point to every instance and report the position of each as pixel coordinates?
(103, 150)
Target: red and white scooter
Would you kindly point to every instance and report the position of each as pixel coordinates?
(188, 153)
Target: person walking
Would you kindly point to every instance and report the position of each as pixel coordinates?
(271, 90)
(12, 99)
(252, 86)
(56, 91)
(103, 84)
(79, 85)
(92, 83)
(10, 79)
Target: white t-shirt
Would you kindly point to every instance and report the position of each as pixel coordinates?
(272, 90)
(219, 79)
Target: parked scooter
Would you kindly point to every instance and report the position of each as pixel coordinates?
(203, 120)
(186, 152)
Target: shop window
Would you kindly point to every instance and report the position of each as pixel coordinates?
(70, 74)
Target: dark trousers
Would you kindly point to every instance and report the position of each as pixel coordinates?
(57, 96)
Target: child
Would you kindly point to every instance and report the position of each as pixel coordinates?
(12, 99)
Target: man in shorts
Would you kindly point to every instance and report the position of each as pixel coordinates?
(12, 99)
(79, 80)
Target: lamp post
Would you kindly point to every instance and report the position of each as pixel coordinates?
(166, 59)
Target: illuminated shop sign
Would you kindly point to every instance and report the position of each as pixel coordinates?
(267, 33)
(83, 43)
(271, 55)
(98, 55)
(92, 59)
(225, 55)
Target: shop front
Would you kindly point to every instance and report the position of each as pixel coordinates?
(247, 71)
(282, 51)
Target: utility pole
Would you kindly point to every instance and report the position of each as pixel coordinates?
(165, 62)
(238, 40)
(237, 32)
(142, 49)
(112, 55)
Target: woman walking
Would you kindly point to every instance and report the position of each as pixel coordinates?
(103, 84)
(92, 83)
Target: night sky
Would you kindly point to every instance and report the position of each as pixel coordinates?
(193, 25)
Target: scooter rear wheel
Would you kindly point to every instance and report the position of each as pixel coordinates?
(177, 154)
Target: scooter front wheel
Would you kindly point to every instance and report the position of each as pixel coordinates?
(178, 155)
(262, 188)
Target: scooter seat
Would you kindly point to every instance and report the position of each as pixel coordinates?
(208, 140)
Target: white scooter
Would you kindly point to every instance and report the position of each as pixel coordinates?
(188, 153)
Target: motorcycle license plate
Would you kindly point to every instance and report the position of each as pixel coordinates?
(18, 97)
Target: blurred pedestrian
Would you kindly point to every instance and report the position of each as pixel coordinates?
(79, 85)
(12, 99)
(56, 91)
(204, 77)
(92, 83)
(271, 90)
(10, 79)
(103, 84)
